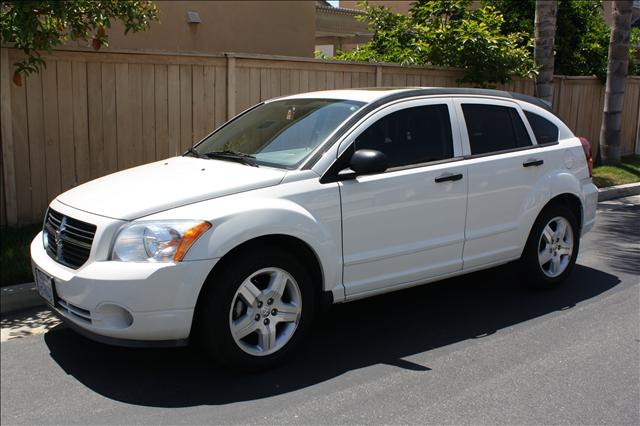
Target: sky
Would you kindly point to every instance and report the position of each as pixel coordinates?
(334, 3)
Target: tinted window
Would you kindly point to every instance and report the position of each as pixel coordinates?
(544, 130)
(411, 136)
(494, 128)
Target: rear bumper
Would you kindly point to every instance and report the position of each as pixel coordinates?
(590, 205)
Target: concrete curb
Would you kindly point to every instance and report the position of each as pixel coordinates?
(619, 191)
(21, 297)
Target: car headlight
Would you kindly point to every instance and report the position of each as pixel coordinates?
(157, 241)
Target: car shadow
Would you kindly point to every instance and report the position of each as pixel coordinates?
(379, 330)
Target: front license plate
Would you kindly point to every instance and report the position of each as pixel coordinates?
(45, 286)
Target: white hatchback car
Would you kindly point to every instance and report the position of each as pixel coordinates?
(313, 199)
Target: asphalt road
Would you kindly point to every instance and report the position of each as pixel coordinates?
(470, 350)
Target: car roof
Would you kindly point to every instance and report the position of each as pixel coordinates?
(388, 94)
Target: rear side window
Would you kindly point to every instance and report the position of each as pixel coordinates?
(493, 128)
(411, 136)
(545, 131)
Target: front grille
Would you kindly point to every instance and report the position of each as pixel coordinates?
(68, 240)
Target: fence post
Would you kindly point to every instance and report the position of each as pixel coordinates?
(378, 76)
(7, 140)
(231, 86)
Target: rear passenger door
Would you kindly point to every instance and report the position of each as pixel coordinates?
(504, 165)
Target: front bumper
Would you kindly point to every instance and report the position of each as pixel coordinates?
(126, 303)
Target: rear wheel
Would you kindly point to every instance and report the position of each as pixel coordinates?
(552, 247)
(257, 309)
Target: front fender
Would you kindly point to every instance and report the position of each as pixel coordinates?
(245, 218)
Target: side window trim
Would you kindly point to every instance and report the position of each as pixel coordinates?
(507, 151)
(464, 134)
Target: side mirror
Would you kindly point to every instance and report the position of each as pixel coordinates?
(368, 161)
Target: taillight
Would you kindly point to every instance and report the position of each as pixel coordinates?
(586, 147)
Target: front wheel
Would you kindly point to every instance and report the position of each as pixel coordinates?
(552, 247)
(257, 310)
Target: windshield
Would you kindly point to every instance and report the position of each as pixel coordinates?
(280, 133)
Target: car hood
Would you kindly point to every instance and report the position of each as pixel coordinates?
(167, 184)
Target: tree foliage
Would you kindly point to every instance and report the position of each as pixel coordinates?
(582, 35)
(447, 33)
(40, 25)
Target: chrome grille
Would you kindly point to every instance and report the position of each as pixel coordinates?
(68, 240)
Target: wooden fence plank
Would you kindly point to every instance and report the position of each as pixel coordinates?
(148, 114)
(109, 118)
(275, 88)
(264, 85)
(186, 108)
(51, 130)
(80, 121)
(65, 125)
(199, 119)
(161, 112)
(243, 89)
(135, 109)
(209, 99)
(8, 148)
(36, 146)
(254, 85)
(21, 153)
(123, 118)
(94, 105)
(173, 93)
(221, 96)
(231, 87)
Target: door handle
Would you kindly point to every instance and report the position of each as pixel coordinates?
(448, 177)
(533, 162)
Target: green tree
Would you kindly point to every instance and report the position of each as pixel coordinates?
(582, 35)
(618, 64)
(447, 33)
(545, 31)
(40, 25)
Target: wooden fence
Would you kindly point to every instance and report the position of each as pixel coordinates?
(89, 113)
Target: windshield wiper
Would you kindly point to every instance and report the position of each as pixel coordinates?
(191, 151)
(240, 157)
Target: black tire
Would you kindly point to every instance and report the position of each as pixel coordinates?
(213, 328)
(533, 271)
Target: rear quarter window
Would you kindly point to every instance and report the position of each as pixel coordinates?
(545, 131)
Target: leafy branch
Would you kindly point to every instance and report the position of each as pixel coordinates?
(36, 26)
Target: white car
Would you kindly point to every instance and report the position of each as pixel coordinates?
(313, 199)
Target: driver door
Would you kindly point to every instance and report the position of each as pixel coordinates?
(405, 225)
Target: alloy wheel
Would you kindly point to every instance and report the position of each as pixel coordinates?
(555, 247)
(265, 311)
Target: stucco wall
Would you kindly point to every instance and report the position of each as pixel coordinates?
(273, 27)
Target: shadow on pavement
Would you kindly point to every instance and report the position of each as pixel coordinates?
(379, 330)
(619, 240)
